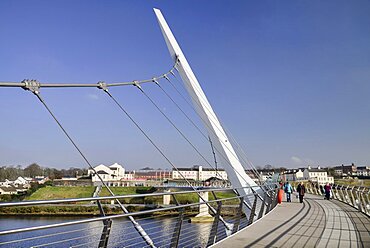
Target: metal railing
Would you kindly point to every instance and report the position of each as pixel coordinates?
(167, 225)
(356, 196)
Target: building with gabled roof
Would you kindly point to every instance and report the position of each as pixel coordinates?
(112, 174)
(317, 175)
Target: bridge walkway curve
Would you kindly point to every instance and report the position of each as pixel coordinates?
(314, 223)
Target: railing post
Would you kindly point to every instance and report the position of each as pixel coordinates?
(353, 200)
(274, 203)
(106, 229)
(342, 194)
(347, 197)
(269, 200)
(177, 230)
(364, 209)
(253, 210)
(238, 216)
(334, 192)
(368, 201)
(213, 233)
(262, 206)
(309, 189)
(358, 201)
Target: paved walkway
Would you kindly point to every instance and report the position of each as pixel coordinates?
(315, 223)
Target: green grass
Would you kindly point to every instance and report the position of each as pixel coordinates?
(121, 190)
(51, 192)
(353, 182)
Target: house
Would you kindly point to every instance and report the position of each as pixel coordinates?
(21, 188)
(317, 175)
(112, 174)
(346, 170)
(8, 190)
(363, 171)
(293, 175)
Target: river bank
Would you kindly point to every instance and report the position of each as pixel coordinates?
(91, 210)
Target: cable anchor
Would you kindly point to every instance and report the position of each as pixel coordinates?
(166, 77)
(155, 81)
(31, 85)
(173, 74)
(102, 85)
(137, 84)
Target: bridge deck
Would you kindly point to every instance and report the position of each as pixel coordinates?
(315, 223)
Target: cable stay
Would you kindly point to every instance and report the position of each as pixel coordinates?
(213, 152)
(182, 134)
(137, 226)
(227, 225)
(201, 132)
(193, 108)
(175, 126)
(211, 112)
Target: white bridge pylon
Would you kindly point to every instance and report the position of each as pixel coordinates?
(236, 174)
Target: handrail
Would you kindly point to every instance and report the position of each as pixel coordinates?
(357, 196)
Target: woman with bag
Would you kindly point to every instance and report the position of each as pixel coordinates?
(301, 190)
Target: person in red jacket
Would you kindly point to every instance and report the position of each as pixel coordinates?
(327, 188)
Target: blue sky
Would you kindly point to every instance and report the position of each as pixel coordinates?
(289, 79)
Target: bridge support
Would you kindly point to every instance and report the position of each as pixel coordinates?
(166, 198)
(203, 215)
(235, 171)
(203, 208)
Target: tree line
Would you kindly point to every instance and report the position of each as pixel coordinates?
(33, 170)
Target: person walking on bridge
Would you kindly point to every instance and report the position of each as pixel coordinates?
(327, 188)
(301, 190)
(288, 191)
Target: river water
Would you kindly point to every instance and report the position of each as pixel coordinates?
(122, 234)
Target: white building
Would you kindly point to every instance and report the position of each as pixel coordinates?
(198, 173)
(8, 190)
(294, 175)
(20, 181)
(317, 175)
(265, 176)
(363, 171)
(112, 173)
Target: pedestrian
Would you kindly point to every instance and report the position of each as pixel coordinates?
(288, 191)
(327, 191)
(301, 190)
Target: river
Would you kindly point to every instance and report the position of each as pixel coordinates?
(123, 234)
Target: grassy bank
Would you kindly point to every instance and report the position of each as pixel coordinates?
(353, 182)
(79, 210)
(52, 192)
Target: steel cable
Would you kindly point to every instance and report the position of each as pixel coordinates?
(136, 225)
(158, 149)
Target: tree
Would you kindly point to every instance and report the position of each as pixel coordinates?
(33, 170)
(268, 167)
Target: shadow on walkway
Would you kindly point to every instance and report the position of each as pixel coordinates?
(315, 223)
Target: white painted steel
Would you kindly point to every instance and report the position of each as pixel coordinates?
(235, 172)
